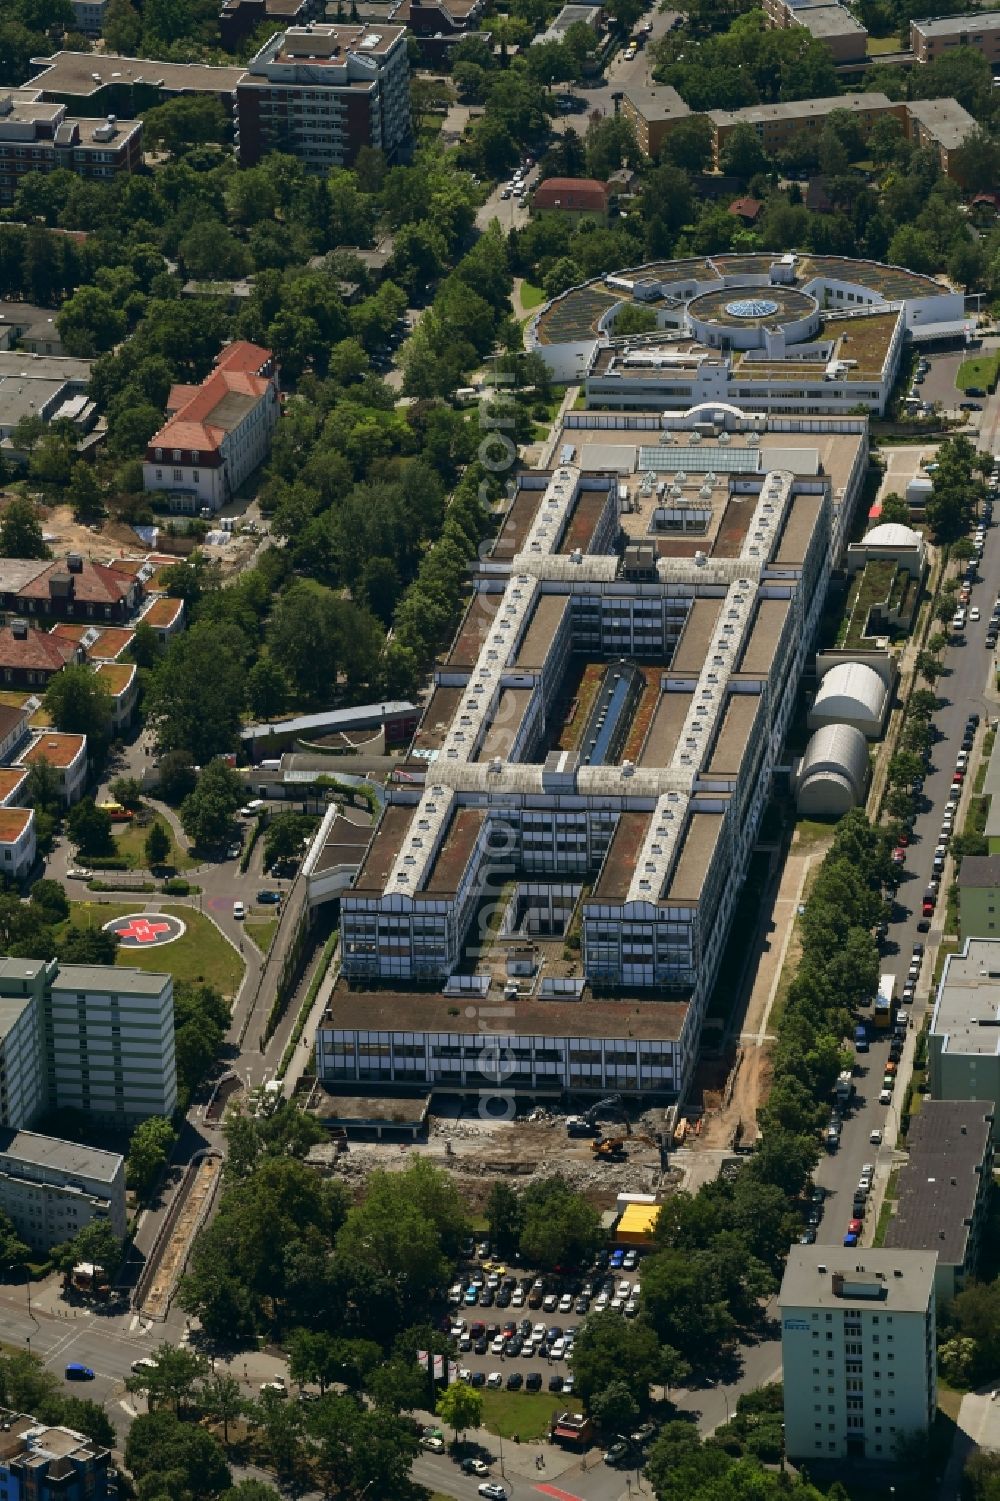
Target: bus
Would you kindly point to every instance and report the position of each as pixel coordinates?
(885, 1002)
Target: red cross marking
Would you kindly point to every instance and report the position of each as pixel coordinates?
(142, 930)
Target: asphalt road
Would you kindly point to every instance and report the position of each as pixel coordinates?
(961, 690)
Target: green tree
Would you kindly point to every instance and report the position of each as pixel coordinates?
(95, 1243)
(149, 1151)
(174, 1378)
(89, 323)
(177, 776)
(221, 1397)
(160, 1448)
(157, 846)
(285, 836)
(610, 1351)
(13, 1250)
(207, 812)
(85, 493)
(614, 1408)
(50, 897)
(560, 1226)
(742, 154)
(90, 828)
(21, 531)
(461, 1407)
(195, 703)
(185, 123)
(78, 703)
(267, 689)
(503, 1217)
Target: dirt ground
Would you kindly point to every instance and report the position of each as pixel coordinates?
(736, 1087)
(476, 1152)
(64, 535)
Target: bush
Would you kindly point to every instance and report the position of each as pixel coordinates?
(107, 862)
(177, 886)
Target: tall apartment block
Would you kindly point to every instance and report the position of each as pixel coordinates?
(40, 137)
(50, 1464)
(858, 1351)
(89, 1037)
(321, 92)
(52, 1189)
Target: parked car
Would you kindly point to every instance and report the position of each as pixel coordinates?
(268, 898)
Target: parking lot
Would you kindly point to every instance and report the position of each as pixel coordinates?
(516, 1329)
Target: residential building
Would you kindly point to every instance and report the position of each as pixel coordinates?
(941, 124)
(52, 1188)
(598, 748)
(239, 19)
(103, 83)
(71, 589)
(17, 843)
(41, 137)
(217, 433)
(98, 643)
(30, 658)
(978, 30)
(50, 1464)
(944, 1189)
(573, 14)
(979, 896)
(88, 16)
(778, 124)
(86, 1037)
(321, 92)
(13, 730)
(858, 1351)
(67, 755)
(163, 615)
(29, 327)
(38, 385)
(577, 199)
(110, 1041)
(652, 111)
(122, 683)
(435, 25)
(769, 332)
(825, 21)
(963, 1052)
(13, 786)
(22, 1050)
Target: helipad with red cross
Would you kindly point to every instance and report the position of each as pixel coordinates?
(145, 930)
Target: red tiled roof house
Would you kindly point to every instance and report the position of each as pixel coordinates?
(216, 434)
(575, 198)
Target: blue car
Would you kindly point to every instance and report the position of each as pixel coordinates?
(617, 1257)
(77, 1372)
(471, 1296)
(850, 1239)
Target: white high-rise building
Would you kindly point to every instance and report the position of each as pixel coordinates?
(110, 1039)
(88, 1037)
(858, 1349)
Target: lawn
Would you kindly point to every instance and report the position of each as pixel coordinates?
(876, 45)
(130, 842)
(263, 932)
(528, 1414)
(531, 296)
(201, 956)
(981, 371)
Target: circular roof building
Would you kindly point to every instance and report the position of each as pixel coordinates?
(833, 774)
(851, 694)
(892, 534)
(742, 317)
